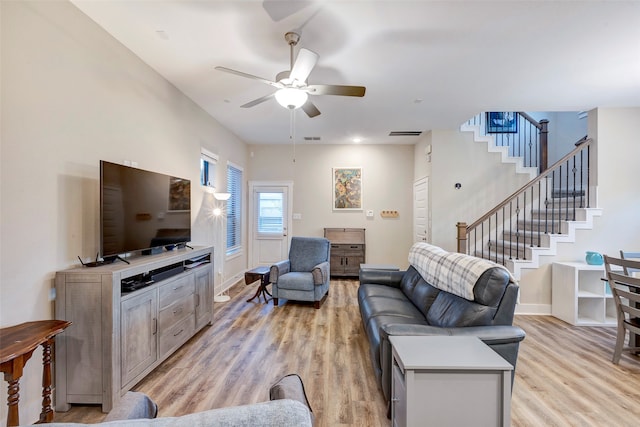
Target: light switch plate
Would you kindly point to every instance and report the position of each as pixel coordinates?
(370, 213)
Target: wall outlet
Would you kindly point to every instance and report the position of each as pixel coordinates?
(297, 216)
(370, 213)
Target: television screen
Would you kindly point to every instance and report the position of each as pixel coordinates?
(140, 210)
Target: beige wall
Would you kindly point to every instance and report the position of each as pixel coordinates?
(71, 96)
(485, 180)
(387, 177)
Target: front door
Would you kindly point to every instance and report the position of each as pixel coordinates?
(270, 220)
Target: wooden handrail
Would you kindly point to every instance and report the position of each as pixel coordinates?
(531, 120)
(525, 187)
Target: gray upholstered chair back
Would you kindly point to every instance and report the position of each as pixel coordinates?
(307, 252)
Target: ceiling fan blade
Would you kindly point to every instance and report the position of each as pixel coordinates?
(249, 76)
(257, 101)
(310, 109)
(305, 61)
(336, 90)
(280, 9)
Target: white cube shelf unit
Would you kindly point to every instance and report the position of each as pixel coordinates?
(579, 296)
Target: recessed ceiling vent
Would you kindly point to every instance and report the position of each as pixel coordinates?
(312, 138)
(405, 133)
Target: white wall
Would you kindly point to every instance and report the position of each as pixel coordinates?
(565, 129)
(72, 95)
(485, 181)
(387, 177)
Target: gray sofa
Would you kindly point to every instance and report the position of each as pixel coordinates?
(405, 303)
(288, 406)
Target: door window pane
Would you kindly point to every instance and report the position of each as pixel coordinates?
(270, 207)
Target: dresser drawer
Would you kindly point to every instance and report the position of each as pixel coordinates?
(177, 335)
(176, 290)
(173, 313)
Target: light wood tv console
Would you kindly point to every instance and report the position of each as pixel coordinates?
(117, 338)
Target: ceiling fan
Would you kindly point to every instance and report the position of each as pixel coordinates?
(293, 89)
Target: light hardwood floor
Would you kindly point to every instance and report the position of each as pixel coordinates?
(564, 375)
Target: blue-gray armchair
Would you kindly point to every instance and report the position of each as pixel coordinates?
(305, 275)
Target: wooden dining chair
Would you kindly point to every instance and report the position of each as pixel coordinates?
(630, 255)
(626, 296)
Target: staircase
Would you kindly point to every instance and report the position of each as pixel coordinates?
(531, 222)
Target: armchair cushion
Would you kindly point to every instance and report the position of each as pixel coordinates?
(307, 252)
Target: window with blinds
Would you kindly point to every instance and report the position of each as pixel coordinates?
(234, 209)
(208, 161)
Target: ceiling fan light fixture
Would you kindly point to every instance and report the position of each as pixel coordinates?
(290, 97)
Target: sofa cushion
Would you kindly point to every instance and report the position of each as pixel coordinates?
(490, 286)
(450, 311)
(418, 291)
(452, 272)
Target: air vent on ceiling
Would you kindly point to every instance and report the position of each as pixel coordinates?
(312, 138)
(405, 133)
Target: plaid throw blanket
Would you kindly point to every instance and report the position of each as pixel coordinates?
(449, 271)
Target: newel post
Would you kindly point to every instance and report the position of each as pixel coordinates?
(462, 237)
(544, 132)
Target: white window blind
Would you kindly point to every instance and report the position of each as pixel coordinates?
(270, 213)
(234, 209)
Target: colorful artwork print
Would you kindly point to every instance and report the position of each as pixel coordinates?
(347, 188)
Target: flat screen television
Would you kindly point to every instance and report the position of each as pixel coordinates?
(142, 210)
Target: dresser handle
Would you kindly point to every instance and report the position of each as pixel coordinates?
(177, 310)
(155, 326)
(176, 334)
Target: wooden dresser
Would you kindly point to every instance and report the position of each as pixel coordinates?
(347, 250)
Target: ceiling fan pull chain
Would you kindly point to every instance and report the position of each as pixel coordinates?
(292, 132)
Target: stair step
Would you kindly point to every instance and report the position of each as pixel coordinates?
(560, 227)
(524, 236)
(569, 192)
(499, 258)
(556, 203)
(559, 214)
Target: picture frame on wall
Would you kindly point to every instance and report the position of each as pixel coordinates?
(179, 195)
(502, 122)
(347, 188)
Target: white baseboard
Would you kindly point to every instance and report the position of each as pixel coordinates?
(538, 309)
(228, 284)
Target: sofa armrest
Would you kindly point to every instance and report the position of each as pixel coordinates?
(488, 334)
(320, 273)
(278, 269)
(381, 277)
(133, 405)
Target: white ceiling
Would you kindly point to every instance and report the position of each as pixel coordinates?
(426, 64)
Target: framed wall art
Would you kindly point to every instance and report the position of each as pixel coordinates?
(502, 122)
(347, 188)
(179, 194)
